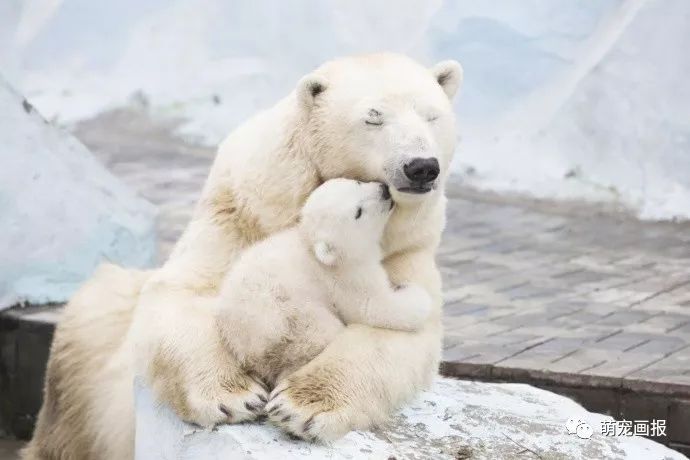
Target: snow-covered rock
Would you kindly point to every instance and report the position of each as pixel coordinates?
(61, 212)
(454, 420)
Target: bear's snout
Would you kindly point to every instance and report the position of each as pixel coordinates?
(422, 170)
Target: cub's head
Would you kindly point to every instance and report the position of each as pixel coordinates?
(382, 117)
(343, 220)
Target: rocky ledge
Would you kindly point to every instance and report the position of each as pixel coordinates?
(455, 419)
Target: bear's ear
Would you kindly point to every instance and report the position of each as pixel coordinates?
(448, 74)
(309, 88)
(325, 253)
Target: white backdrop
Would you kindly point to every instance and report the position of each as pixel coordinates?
(567, 99)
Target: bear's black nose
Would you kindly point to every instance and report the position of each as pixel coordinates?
(385, 192)
(422, 170)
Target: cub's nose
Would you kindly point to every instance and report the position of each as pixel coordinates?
(385, 192)
(422, 170)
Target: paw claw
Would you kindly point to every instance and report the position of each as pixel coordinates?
(276, 394)
(293, 436)
(261, 383)
(223, 408)
(308, 424)
(252, 407)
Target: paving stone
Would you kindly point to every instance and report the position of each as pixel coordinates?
(558, 308)
(515, 338)
(622, 364)
(665, 345)
(581, 276)
(604, 310)
(454, 325)
(665, 321)
(672, 368)
(461, 308)
(626, 317)
(623, 341)
(483, 330)
(488, 356)
(680, 329)
(614, 296)
(459, 353)
(453, 295)
(581, 318)
(541, 354)
(579, 361)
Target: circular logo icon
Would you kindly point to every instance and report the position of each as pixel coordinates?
(584, 431)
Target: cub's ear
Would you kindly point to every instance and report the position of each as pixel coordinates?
(309, 88)
(325, 253)
(448, 74)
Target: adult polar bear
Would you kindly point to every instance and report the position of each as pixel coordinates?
(376, 117)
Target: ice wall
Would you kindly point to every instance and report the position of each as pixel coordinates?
(626, 124)
(61, 212)
(562, 99)
(580, 102)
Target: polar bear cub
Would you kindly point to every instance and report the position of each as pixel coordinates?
(297, 287)
(342, 223)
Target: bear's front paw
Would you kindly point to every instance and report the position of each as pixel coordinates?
(233, 405)
(211, 396)
(304, 412)
(225, 401)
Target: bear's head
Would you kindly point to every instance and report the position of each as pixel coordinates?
(382, 118)
(343, 221)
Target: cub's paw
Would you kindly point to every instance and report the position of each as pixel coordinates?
(303, 413)
(415, 305)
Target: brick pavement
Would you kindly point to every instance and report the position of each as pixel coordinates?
(565, 288)
(530, 285)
